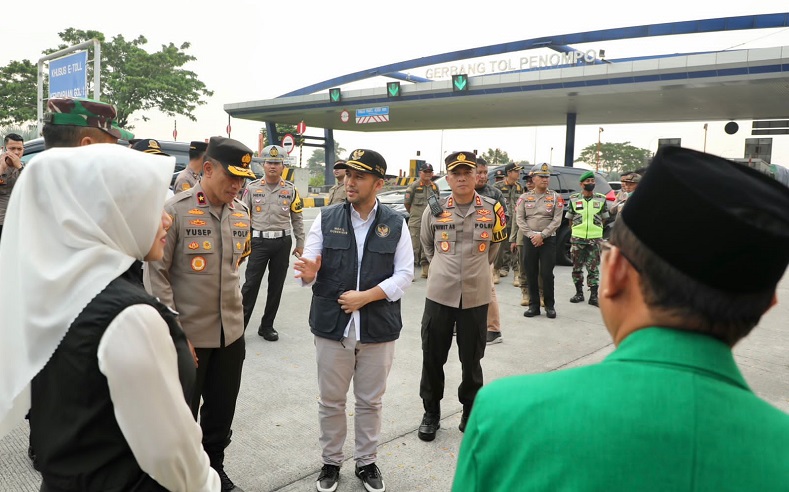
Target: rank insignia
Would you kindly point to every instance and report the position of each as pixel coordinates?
(444, 235)
(478, 201)
(238, 214)
(484, 219)
(197, 222)
(450, 202)
(201, 198)
(238, 245)
(240, 224)
(207, 245)
(485, 235)
(196, 211)
(198, 263)
(193, 245)
(382, 230)
(444, 246)
(445, 214)
(484, 212)
(446, 219)
(185, 186)
(482, 247)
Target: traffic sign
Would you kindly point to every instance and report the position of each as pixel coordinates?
(335, 94)
(68, 77)
(460, 82)
(392, 89)
(301, 128)
(175, 134)
(289, 142)
(344, 116)
(228, 129)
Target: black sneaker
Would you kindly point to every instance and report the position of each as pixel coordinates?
(328, 479)
(429, 426)
(227, 484)
(371, 477)
(269, 333)
(494, 337)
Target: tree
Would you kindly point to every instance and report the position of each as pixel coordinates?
(18, 86)
(496, 157)
(316, 161)
(615, 157)
(131, 78)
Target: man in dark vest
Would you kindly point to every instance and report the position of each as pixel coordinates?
(359, 261)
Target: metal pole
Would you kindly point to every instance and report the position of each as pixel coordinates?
(40, 98)
(705, 137)
(96, 70)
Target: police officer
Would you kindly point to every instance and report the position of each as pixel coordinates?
(190, 175)
(516, 244)
(461, 243)
(511, 188)
(199, 278)
(275, 208)
(539, 215)
(10, 169)
(629, 184)
(587, 213)
(337, 192)
(415, 202)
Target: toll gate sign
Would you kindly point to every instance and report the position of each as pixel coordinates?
(68, 76)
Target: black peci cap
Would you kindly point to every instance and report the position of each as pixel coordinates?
(743, 246)
(366, 161)
(232, 154)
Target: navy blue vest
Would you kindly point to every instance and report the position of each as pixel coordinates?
(78, 444)
(380, 320)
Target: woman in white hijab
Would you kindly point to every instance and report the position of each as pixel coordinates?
(106, 366)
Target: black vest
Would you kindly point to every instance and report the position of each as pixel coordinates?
(380, 320)
(78, 444)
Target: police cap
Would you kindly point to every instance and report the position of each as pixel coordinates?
(543, 169)
(274, 153)
(462, 158)
(149, 146)
(232, 154)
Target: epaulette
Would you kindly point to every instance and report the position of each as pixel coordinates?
(238, 202)
(490, 200)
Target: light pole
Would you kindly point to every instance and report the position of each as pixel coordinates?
(551, 159)
(599, 132)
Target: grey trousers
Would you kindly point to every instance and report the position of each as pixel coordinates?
(368, 364)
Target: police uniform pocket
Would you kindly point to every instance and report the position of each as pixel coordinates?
(482, 238)
(198, 254)
(445, 241)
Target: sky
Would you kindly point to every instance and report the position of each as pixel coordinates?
(254, 50)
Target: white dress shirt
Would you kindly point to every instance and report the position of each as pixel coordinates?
(137, 356)
(394, 286)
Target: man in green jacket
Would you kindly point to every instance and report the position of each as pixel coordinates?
(668, 410)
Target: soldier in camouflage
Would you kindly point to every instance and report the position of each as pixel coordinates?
(511, 188)
(415, 202)
(587, 212)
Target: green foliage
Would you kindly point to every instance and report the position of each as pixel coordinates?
(29, 134)
(496, 157)
(318, 180)
(132, 79)
(615, 157)
(282, 130)
(18, 85)
(316, 161)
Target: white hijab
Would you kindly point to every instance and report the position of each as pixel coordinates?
(77, 219)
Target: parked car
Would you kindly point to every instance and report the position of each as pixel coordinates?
(179, 150)
(394, 199)
(565, 181)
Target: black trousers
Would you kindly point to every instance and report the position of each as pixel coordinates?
(438, 323)
(218, 381)
(274, 253)
(540, 261)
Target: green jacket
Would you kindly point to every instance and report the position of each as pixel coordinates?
(667, 411)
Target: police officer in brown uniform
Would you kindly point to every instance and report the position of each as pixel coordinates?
(275, 207)
(511, 188)
(199, 278)
(461, 242)
(516, 243)
(539, 215)
(337, 192)
(190, 175)
(415, 202)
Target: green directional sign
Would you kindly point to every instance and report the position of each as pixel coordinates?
(460, 83)
(393, 89)
(335, 95)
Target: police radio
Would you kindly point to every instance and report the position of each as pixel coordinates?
(435, 207)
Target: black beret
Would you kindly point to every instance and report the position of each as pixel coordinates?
(721, 223)
(461, 158)
(366, 161)
(232, 154)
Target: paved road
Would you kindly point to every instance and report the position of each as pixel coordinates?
(275, 443)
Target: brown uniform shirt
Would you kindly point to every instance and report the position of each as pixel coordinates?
(198, 276)
(7, 182)
(460, 248)
(186, 179)
(416, 196)
(275, 210)
(336, 194)
(539, 213)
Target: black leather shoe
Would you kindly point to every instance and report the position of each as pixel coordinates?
(532, 312)
(550, 312)
(464, 419)
(429, 426)
(227, 484)
(269, 333)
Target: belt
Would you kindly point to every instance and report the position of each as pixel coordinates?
(271, 234)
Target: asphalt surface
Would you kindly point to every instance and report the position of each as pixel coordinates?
(275, 440)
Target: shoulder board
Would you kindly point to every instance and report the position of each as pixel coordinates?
(179, 197)
(290, 183)
(490, 200)
(240, 204)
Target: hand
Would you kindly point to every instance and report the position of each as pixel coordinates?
(192, 349)
(513, 247)
(307, 269)
(297, 252)
(352, 300)
(536, 239)
(12, 160)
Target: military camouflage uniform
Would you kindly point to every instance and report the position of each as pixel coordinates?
(505, 258)
(416, 196)
(585, 251)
